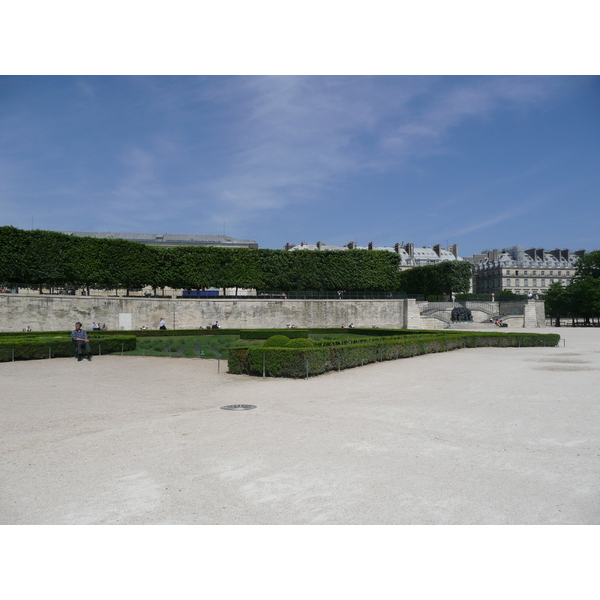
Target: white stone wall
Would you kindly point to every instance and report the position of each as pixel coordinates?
(534, 313)
(59, 313)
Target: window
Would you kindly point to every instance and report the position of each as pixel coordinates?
(516, 282)
(516, 273)
(525, 282)
(508, 283)
(542, 273)
(543, 282)
(525, 273)
(508, 273)
(533, 274)
(551, 273)
(568, 273)
(534, 283)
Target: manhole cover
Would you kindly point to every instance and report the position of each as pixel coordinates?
(238, 407)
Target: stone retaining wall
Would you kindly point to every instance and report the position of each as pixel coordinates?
(59, 313)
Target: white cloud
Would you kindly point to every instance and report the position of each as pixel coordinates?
(293, 137)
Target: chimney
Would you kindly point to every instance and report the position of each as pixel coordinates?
(410, 250)
(351, 245)
(288, 246)
(454, 250)
(319, 245)
(437, 250)
(397, 248)
(370, 246)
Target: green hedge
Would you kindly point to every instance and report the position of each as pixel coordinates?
(166, 332)
(276, 341)
(32, 257)
(290, 362)
(300, 343)
(37, 347)
(265, 334)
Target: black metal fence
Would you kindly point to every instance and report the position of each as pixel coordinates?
(341, 295)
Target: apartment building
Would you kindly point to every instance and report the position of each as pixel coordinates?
(522, 271)
(410, 255)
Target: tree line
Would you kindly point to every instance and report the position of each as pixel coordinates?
(581, 298)
(48, 258)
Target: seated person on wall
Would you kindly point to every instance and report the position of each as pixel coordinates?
(80, 339)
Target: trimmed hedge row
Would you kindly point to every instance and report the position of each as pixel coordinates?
(245, 334)
(167, 332)
(291, 362)
(265, 334)
(36, 347)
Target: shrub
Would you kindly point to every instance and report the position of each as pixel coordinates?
(38, 347)
(299, 343)
(288, 362)
(263, 334)
(292, 362)
(276, 341)
(237, 361)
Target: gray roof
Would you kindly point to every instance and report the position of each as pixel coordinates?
(167, 238)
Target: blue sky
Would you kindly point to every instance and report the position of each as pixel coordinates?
(481, 161)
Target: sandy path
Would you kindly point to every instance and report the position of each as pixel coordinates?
(472, 436)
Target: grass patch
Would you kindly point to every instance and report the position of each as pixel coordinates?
(192, 346)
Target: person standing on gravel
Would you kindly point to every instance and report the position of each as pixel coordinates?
(79, 336)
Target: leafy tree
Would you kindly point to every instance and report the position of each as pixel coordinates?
(588, 266)
(444, 278)
(584, 298)
(13, 258)
(508, 296)
(557, 301)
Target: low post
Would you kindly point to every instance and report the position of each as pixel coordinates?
(307, 369)
(339, 363)
(99, 349)
(122, 349)
(49, 351)
(13, 355)
(219, 364)
(263, 365)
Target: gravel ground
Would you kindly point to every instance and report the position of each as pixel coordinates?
(473, 436)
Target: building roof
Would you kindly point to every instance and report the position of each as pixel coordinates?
(515, 256)
(169, 239)
(421, 256)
